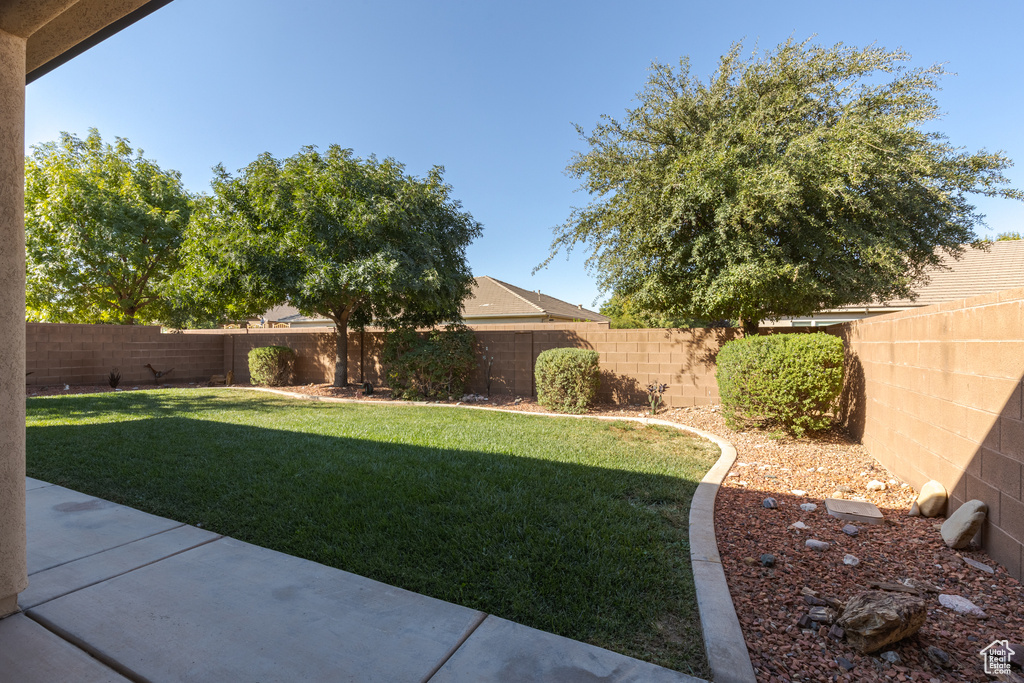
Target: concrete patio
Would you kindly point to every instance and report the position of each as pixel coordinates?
(116, 594)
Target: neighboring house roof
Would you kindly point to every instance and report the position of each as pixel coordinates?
(493, 298)
(490, 299)
(976, 272)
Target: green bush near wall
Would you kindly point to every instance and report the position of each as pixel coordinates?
(435, 365)
(791, 381)
(567, 379)
(272, 366)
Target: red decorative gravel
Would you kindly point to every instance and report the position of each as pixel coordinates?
(768, 601)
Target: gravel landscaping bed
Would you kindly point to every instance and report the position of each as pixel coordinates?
(771, 600)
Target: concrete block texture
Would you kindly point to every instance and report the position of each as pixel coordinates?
(500, 651)
(952, 410)
(13, 576)
(229, 611)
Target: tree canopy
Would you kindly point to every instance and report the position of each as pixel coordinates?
(791, 182)
(353, 240)
(103, 225)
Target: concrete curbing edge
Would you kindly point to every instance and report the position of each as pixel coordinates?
(724, 644)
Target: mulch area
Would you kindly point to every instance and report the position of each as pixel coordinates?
(770, 601)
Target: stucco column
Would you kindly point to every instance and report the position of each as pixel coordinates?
(13, 568)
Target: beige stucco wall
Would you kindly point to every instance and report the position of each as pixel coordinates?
(13, 572)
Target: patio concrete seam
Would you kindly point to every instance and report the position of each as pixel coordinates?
(119, 545)
(128, 571)
(462, 641)
(724, 644)
(86, 648)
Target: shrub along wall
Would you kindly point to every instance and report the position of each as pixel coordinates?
(629, 359)
(936, 394)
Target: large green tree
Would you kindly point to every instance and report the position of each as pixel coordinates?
(103, 225)
(354, 240)
(788, 183)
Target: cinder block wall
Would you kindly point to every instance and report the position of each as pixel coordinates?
(85, 354)
(936, 394)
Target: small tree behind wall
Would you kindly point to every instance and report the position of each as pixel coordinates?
(349, 239)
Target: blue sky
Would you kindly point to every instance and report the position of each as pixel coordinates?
(488, 90)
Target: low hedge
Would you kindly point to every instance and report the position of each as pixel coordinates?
(790, 381)
(432, 365)
(567, 379)
(272, 366)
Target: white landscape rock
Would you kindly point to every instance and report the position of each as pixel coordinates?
(961, 605)
(931, 501)
(850, 560)
(815, 544)
(797, 525)
(798, 492)
(808, 507)
(875, 485)
(962, 525)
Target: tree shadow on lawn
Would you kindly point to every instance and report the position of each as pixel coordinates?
(592, 552)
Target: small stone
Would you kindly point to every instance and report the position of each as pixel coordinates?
(932, 499)
(875, 485)
(874, 619)
(767, 560)
(808, 507)
(973, 639)
(815, 544)
(979, 565)
(749, 561)
(804, 622)
(893, 482)
(844, 489)
(838, 495)
(734, 474)
(798, 492)
(961, 605)
(962, 525)
(850, 530)
(797, 525)
(814, 601)
(836, 632)
(822, 615)
(915, 510)
(850, 560)
(938, 656)
(892, 657)
(770, 503)
(845, 663)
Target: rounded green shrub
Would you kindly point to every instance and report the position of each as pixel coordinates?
(567, 379)
(791, 381)
(272, 366)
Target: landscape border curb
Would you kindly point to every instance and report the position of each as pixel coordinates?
(724, 645)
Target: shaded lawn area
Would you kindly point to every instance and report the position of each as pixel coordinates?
(577, 527)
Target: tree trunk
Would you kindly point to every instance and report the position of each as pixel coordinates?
(341, 345)
(750, 327)
(341, 354)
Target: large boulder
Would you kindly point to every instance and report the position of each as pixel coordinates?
(874, 619)
(931, 501)
(962, 525)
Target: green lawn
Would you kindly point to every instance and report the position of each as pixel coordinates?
(577, 527)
